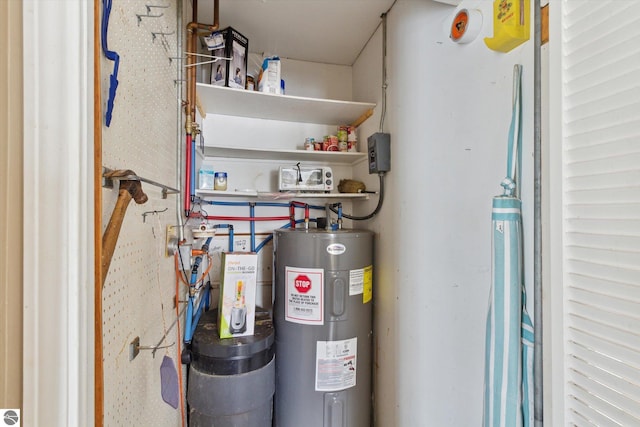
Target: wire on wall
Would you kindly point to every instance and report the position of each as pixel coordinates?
(384, 71)
(383, 114)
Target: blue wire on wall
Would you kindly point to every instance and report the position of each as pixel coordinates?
(112, 56)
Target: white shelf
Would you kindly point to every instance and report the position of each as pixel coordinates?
(281, 196)
(229, 193)
(244, 103)
(337, 157)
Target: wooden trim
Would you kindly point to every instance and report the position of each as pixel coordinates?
(544, 18)
(97, 220)
(11, 193)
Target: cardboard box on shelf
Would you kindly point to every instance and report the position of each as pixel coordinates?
(232, 72)
(270, 80)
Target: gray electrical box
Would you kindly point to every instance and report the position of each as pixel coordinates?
(379, 148)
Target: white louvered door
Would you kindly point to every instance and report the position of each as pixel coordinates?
(600, 140)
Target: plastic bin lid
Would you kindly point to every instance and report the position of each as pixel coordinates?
(207, 342)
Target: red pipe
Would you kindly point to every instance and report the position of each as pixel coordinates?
(187, 178)
(246, 218)
(292, 214)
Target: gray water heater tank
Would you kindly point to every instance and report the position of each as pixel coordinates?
(322, 317)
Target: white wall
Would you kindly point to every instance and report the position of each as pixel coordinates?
(448, 112)
(58, 253)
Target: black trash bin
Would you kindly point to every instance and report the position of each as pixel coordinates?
(231, 380)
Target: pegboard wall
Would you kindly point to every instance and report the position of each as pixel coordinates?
(138, 296)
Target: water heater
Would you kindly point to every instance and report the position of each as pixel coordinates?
(322, 317)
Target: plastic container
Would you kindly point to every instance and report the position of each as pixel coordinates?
(232, 380)
(220, 182)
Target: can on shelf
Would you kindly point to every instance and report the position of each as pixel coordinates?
(309, 144)
(352, 139)
(330, 143)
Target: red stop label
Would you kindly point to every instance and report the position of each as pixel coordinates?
(302, 283)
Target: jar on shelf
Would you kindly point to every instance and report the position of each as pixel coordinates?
(352, 139)
(220, 182)
(251, 82)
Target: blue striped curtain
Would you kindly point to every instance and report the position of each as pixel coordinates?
(508, 389)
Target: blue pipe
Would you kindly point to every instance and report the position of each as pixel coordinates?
(188, 321)
(230, 227)
(191, 318)
(252, 225)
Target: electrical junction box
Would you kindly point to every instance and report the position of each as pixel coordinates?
(379, 149)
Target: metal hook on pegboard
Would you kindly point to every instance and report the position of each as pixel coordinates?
(160, 33)
(135, 347)
(148, 15)
(156, 212)
(159, 6)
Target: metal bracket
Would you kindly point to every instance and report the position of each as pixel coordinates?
(135, 347)
(108, 182)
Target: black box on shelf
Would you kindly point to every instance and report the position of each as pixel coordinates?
(230, 72)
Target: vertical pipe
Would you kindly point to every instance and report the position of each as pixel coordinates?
(306, 216)
(187, 172)
(537, 219)
(252, 224)
(98, 416)
(292, 215)
(327, 209)
(192, 34)
(179, 136)
(192, 187)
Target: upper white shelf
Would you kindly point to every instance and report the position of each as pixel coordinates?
(337, 157)
(244, 103)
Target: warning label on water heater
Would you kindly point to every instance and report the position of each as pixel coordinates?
(336, 364)
(360, 282)
(304, 295)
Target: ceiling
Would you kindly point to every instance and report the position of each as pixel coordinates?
(327, 31)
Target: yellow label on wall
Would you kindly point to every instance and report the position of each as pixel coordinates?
(367, 293)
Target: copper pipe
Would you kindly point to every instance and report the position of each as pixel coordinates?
(192, 34)
(98, 366)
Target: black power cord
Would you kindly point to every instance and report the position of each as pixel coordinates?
(375, 211)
